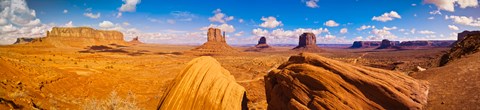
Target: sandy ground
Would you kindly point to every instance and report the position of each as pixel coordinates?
(50, 78)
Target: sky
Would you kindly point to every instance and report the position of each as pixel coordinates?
(245, 21)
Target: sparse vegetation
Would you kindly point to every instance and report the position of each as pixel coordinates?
(114, 102)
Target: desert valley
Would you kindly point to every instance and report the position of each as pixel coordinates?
(147, 55)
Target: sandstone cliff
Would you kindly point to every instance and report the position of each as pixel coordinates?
(25, 40)
(307, 42)
(309, 81)
(387, 44)
(83, 36)
(469, 44)
(204, 85)
(216, 43)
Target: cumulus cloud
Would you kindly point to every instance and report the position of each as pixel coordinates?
(220, 17)
(18, 20)
(224, 27)
(65, 11)
(426, 32)
(238, 34)
(464, 20)
(363, 27)
(91, 15)
(129, 5)
(106, 24)
(387, 16)
(312, 3)
(343, 30)
(379, 34)
(270, 22)
(286, 36)
(453, 27)
(331, 23)
(449, 5)
(69, 24)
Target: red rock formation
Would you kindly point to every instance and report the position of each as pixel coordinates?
(261, 46)
(135, 41)
(80, 37)
(387, 44)
(309, 81)
(307, 42)
(468, 45)
(465, 33)
(216, 43)
(25, 40)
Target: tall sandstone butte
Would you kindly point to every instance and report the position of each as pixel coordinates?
(366, 44)
(204, 85)
(81, 37)
(216, 43)
(261, 46)
(307, 42)
(309, 81)
(387, 44)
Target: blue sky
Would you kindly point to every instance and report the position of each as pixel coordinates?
(281, 21)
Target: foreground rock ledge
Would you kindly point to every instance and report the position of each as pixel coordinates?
(309, 81)
(204, 85)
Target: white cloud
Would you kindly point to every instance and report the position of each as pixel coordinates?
(3, 21)
(106, 24)
(330, 37)
(69, 24)
(8, 28)
(435, 12)
(91, 15)
(312, 3)
(224, 27)
(240, 20)
(469, 21)
(379, 34)
(129, 5)
(449, 5)
(119, 14)
(343, 30)
(390, 28)
(126, 23)
(453, 27)
(363, 27)
(220, 17)
(426, 32)
(414, 4)
(238, 34)
(270, 22)
(331, 23)
(387, 16)
(65, 11)
(431, 18)
(259, 32)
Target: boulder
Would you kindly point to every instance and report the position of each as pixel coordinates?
(366, 44)
(204, 85)
(215, 44)
(309, 81)
(469, 44)
(307, 42)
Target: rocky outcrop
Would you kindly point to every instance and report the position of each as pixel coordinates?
(387, 44)
(204, 85)
(215, 43)
(307, 42)
(135, 41)
(25, 40)
(465, 33)
(309, 81)
(261, 46)
(427, 43)
(366, 44)
(469, 44)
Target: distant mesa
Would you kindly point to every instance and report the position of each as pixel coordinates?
(25, 40)
(261, 46)
(204, 85)
(387, 44)
(469, 43)
(135, 41)
(366, 44)
(216, 43)
(403, 45)
(307, 42)
(309, 81)
(79, 37)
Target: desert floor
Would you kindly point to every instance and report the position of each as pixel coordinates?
(136, 76)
